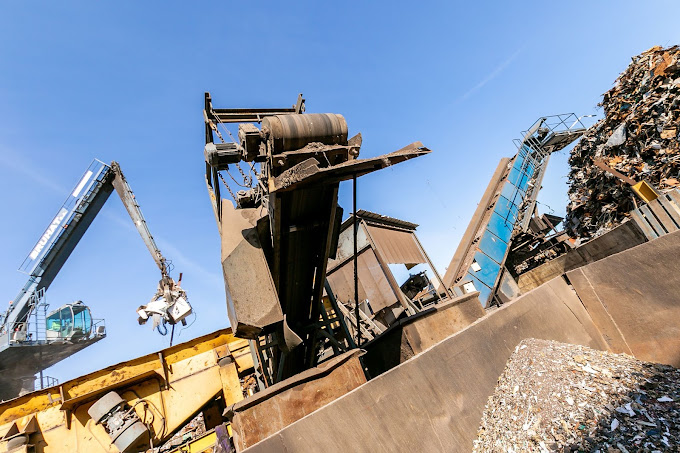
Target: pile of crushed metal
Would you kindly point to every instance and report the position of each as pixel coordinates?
(638, 137)
(561, 397)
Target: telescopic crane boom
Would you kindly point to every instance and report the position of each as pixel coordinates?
(168, 305)
(130, 202)
(32, 340)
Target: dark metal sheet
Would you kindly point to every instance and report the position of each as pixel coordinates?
(373, 217)
(309, 172)
(252, 299)
(267, 412)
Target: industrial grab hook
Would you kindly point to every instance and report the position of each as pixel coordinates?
(168, 306)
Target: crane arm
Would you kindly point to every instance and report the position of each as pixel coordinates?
(60, 238)
(67, 228)
(129, 201)
(169, 304)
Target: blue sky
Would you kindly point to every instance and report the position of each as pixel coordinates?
(124, 81)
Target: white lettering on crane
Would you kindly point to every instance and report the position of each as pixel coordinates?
(48, 234)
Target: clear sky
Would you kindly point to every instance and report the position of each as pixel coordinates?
(125, 80)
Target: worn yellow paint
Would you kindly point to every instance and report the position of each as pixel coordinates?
(110, 376)
(194, 377)
(116, 373)
(240, 350)
(231, 385)
(202, 444)
(645, 191)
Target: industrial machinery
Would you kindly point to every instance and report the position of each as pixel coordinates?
(276, 245)
(130, 406)
(277, 240)
(31, 339)
(121, 423)
(506, 209)
(285, 258)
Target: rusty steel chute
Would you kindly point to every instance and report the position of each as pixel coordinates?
(285, 226)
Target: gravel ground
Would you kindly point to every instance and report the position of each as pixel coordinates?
(561, 397)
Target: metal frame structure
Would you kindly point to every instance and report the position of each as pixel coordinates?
(213, 118)
(403, 237)
(547, 135)
(507, 206)
(19, 359)
(285, 224)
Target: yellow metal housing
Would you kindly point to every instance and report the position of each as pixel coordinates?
(175, 383)
(645, 191)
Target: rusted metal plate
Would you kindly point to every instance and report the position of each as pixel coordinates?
(309, 172)
(398, 247)
(449, 317)
(252, 300)
(267, 412)
(637, 290)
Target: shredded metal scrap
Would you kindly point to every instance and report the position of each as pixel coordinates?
(639, 137)
(560, 397)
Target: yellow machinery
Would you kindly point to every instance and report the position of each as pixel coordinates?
(162, 391)
(202, 444)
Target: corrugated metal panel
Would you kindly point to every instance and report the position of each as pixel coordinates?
(659, 216)
(373, 284)
(396, 246)
(378, 218)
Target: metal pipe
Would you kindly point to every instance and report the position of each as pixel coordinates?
(356, 272)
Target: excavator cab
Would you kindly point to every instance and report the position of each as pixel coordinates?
(69, 322)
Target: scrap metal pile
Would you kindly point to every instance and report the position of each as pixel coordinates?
(638, 137)
(560, 397)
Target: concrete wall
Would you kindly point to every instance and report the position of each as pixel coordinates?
(634, 299)
(617, 240)
(434, 401)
